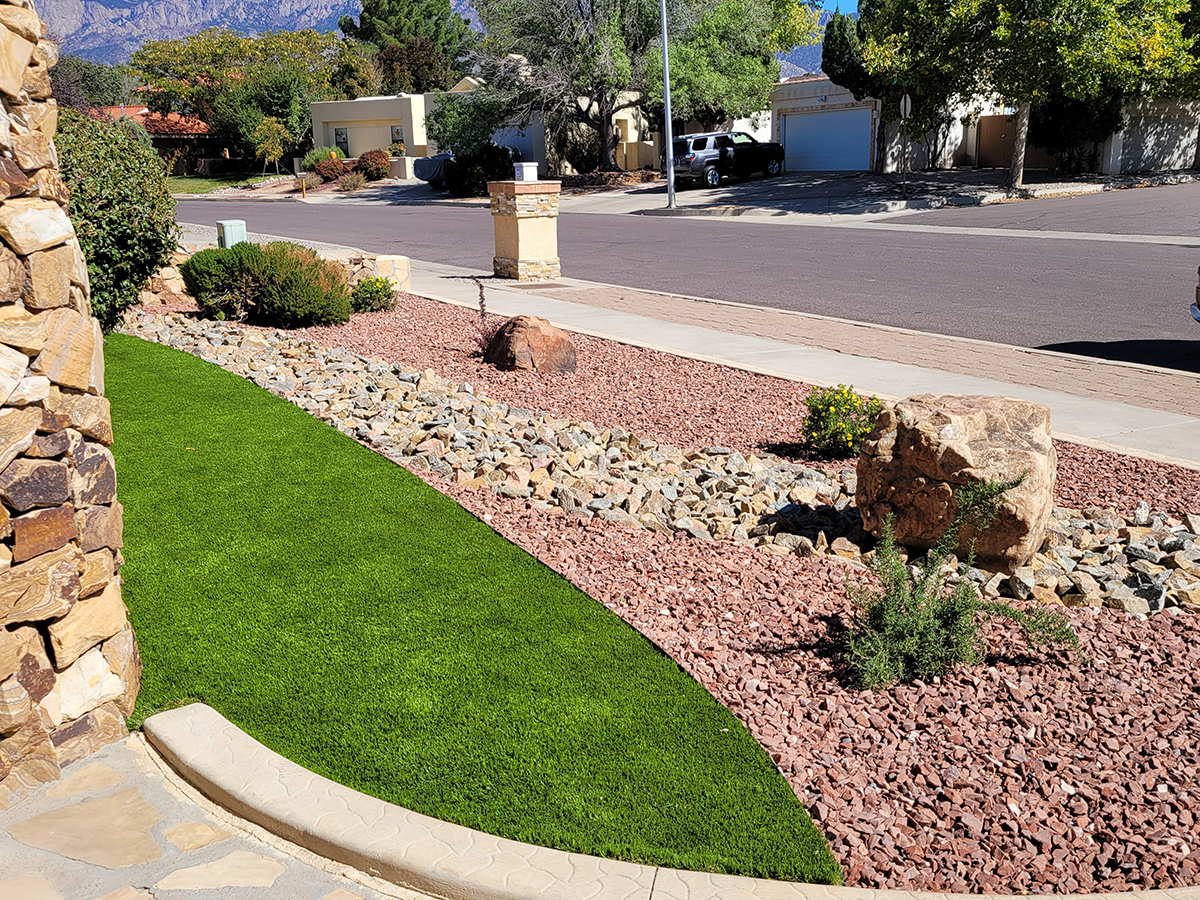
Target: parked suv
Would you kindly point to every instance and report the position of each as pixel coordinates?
(709, 157)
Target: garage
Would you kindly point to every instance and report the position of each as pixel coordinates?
(836, 140)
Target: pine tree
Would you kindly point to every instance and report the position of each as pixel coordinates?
(384, 22)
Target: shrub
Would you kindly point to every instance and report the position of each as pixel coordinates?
(468, 176)
(373, 295)
(916, 626)
(352, 181)
(279, 284)
(329, 169)
(397, 149)
(312, 157)
(121, 207)
(374, 165)
(310, 180)
(838, 421)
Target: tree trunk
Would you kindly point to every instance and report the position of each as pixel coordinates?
(1016, 177)
(881, 143)
(608, 145)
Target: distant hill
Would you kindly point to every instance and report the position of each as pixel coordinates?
(804, 60)
(110, 30)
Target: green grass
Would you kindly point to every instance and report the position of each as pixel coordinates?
(197, 184)
(368, 628)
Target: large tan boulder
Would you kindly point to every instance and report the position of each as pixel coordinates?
(925, 447)
(531, 344)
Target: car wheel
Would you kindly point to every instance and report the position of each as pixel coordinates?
(712, 177)
(774, 167)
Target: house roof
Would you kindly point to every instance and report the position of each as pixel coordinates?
(156, 124)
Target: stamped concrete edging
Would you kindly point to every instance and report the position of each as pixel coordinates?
(439, 858)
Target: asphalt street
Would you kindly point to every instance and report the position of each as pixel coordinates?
(1116, 298)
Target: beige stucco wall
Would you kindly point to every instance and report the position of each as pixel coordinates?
(368, 123)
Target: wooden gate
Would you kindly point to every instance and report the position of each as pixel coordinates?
(997, 136)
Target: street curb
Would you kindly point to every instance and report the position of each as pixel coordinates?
(446, 860)
(227, 197)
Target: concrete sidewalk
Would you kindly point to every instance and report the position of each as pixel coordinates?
(1129, 408)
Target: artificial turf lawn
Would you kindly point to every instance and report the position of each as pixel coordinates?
(368, 628)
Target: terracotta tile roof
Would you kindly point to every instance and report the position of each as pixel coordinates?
(168, 125)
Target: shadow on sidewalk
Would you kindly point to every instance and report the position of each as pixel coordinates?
(1166, 354)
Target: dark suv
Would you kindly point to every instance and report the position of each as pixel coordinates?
(708, 157)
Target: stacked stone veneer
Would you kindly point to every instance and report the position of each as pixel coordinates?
(525, 216)
(69, 666)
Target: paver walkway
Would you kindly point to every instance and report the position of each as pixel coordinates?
(121, 826)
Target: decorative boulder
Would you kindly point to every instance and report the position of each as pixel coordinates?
(923, 448)
(531, 344)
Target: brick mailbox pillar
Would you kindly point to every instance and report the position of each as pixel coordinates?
(525, 216)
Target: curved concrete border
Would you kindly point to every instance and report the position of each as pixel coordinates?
(439, 858)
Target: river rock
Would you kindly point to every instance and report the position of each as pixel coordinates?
(922, 449)
(531, 344)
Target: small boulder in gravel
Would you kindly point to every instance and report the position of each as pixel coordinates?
(925, 447)
(531, 344)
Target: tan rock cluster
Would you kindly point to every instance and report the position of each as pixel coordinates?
(166, 286)
(69, 664)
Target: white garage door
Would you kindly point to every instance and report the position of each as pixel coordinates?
(837, 140)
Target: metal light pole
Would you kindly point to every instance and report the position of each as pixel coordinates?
(670, 150)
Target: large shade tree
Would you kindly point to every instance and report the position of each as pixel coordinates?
(384, 22)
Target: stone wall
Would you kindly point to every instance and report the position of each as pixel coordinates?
(69, 665)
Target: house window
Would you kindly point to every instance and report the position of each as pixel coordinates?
(397, 134)
(341, 139)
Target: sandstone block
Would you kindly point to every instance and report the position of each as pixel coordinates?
(925, 447)
(15, 53)
(35, 673)
(30, 224)
(15, 706)
(531, 344)
(45, 52)
(24, 22)
(50, 274)
(27, 759)
(17, 430)
(102, 726)
(121, 652)
(32, 151)
(13, 182)
(12, 274)
(13, 366)
(94, 480)
(12, 648)
(88, 623)
(96, 372)
(43, 531)
(98, 570)
(100, 526)
(67, 358)
(42, 588)
(37, 79)
(48, 185)
(85, 684)
(21, 330)
(29, 483)
(30, 390)
(86, 413)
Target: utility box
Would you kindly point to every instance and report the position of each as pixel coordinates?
(525, 171)
(230, 232)
(525, 218)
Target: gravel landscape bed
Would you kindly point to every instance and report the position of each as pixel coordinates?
(1022, 775)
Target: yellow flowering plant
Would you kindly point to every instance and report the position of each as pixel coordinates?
(838, 421)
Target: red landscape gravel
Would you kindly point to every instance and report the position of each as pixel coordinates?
(688, 403)
(1023, 775)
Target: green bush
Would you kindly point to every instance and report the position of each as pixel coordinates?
(315, 155)
(396, 149)
(373, 295)
(468, 176)
(916, 626)
(310, 180)
(279, 284)
(352, 181)
(329, 169)
(374, 165)
(838, 421)
(121, 207)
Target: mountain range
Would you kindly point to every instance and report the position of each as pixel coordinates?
(110, 30)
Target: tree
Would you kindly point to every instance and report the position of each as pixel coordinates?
(463, 124)
(269, 140)
(724, 66)
(354, 73)
(82, 84)
(413, 65)
(842, 61)
(384, 22)
(1072, 128)
(187, 75)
